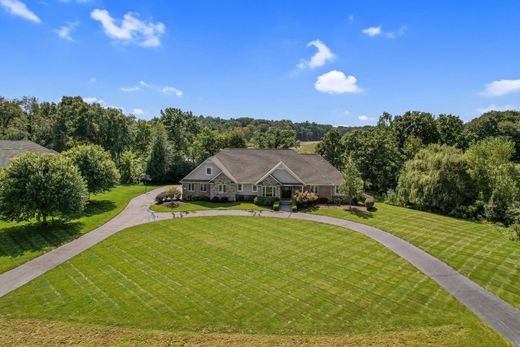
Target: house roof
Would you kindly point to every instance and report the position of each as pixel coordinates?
(10, 149)
(250, 165)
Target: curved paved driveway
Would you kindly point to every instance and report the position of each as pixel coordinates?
(500, 315)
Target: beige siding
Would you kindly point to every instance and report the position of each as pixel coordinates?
(197, 192)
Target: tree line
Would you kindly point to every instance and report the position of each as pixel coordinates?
(438, 164)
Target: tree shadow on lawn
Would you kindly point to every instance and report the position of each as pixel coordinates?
(359, 211)
(32, 236)
(17, 240)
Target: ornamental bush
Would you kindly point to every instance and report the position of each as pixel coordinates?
(172, 194)
(267, 201)
(305, 199)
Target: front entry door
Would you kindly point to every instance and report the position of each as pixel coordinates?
(286, 193)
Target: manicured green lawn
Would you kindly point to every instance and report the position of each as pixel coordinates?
(246, 275)
(205, 205)
(308, 147)
(20, 242)
(480, 251)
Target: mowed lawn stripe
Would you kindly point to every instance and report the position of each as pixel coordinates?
(480, 251)
(243, 275)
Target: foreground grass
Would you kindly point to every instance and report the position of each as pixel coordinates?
(247, 275)
(51, 333)
(206, 205)
(480, 251)
(20, 242)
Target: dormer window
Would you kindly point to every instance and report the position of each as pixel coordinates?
(209, 171)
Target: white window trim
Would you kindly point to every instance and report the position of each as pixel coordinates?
(221, 188)
(315, 189)
(254, 188)
(240, 187)
(210, 171)
(191, 187)
(205, 187)
(264, 191)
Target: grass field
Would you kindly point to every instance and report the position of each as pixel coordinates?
(307, 147)
(20, 242)
(244, 275)
(480, 251)
(205, 205)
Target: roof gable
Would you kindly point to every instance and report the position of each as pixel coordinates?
(11, 149)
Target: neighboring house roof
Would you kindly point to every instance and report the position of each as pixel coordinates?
(285, 165)
(10, 149)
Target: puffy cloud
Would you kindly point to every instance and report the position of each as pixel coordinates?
(363, 118)
(323, 55)
(64, 32)
(168, 90)
(92, 100)
(501, 87)
(18, 8)
(377, 31)
(130, 29)
(372, 31)
(138, 111)
(336, 82)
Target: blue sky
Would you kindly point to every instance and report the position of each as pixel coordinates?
(338, 62)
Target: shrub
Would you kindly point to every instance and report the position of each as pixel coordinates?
(305, 199)
(224, 199)
(323, 201)
(391, 198)
(294, 206)
(172, 194)
(249, 198)
(276, 206)
(265, 200)
(369, 202)
(215, 199)
(130, 168)
(197, 198)
(514, 233)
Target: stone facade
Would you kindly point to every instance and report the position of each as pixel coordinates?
(231, 188)
(269, 181)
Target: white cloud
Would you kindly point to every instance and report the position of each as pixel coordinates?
(323, 55)
(65, 31)
(131, 28)
(138, 111)
(130, 89)
(501, 87)
(168, 90)
(372, 31)
(496, 108)
(377, 31)
(336, 82)
(92, 100)
(18, 8)
(171, 90)
(363, 117)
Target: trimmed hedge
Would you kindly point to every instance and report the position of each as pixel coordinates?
(197, 198)
(276, 206)
(294, 206)
(267, 201)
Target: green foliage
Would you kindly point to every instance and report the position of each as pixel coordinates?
(206, 144)
(181, 128)
(417, 124)
(305, 199)
(514, 232)
(157, 165)
(391, 197)
(276, 206)
(276, 137)
(267, 201)
(436, 179)
(130, 168)
(451, 130)
(95, 166)
(376, 155)
(352, 184)
(332, 148)
(234, 139)
(41, 185)
(294, 206)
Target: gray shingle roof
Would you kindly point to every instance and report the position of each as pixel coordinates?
(10, 149)
(249, 165)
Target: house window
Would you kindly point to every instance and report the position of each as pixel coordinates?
(336, 190)
(221, 188)
(255, 188)
(191, 187)
(240, 188)
(269, 191)
(315, 189)
(209, 171)
(203, 187)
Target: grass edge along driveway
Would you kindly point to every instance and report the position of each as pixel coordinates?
(479, 251)
(21, 242)
(245, 275)
(207, 205)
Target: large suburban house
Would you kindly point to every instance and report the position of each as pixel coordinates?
(10, 149)
(245, 173)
